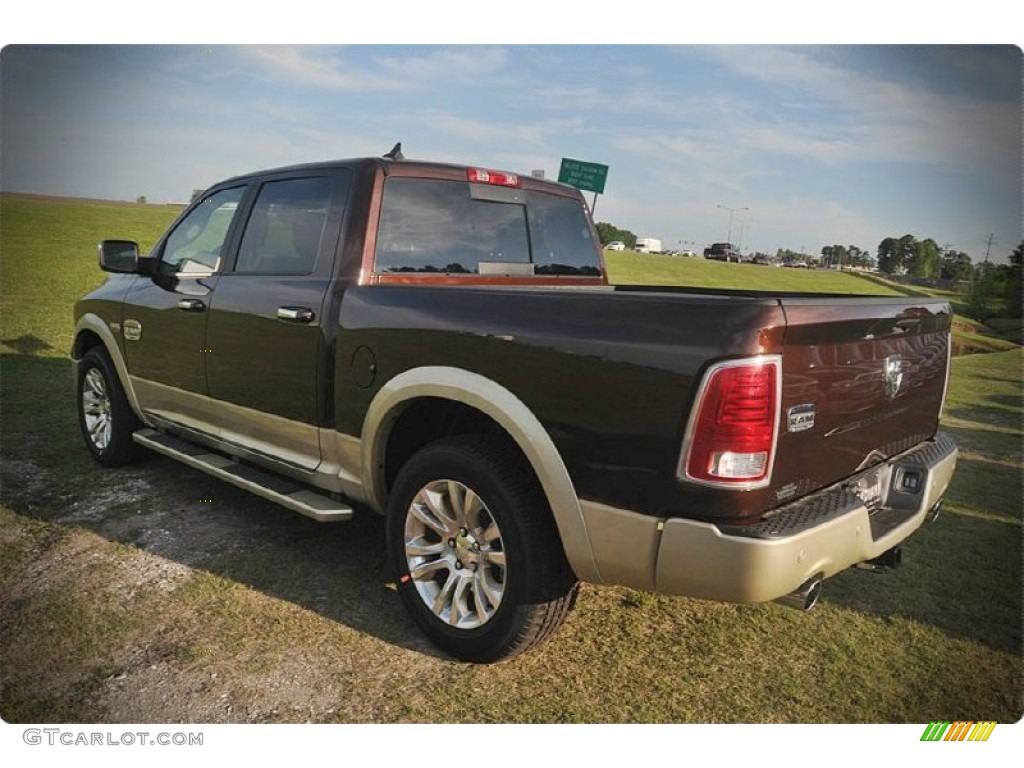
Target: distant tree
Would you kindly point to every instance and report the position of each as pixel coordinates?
(888, 255)
(987, 286)
(894, 254)
(836, 255)
(955, 265)
(141, 199)
(924, 259)
(609, 233)
(859, 257)
(1013, 282)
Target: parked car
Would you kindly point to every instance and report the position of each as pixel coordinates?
(440, 345)
(616, 245)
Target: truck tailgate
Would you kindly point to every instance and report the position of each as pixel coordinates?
(863, 380)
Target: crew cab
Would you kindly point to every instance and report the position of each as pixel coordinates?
(439, 344)
(722, 252)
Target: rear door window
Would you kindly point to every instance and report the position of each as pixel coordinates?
(284, 230)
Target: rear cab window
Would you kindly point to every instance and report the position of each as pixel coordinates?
(451, 227)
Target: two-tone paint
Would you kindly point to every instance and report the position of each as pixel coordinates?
(594, 384)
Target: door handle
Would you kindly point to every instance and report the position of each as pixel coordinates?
(296, 314)
(191, 305)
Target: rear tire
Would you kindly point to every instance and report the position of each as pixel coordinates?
(104, 415)
(479, 562)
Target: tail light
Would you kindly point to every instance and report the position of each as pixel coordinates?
(731, 435)
(498, 178)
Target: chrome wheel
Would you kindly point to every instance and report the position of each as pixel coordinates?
(454, 554)
(96, 409)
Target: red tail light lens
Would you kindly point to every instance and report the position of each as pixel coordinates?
(498, 178)
(730, 439)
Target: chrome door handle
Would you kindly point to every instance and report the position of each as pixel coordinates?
(296, 314)
(191, 305)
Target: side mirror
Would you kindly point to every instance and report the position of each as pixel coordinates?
(119, 256)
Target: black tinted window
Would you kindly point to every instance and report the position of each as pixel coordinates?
(435, 226)
(284, 229)
(441, 226)
(560, 235)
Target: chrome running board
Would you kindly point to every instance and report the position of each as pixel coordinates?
(280, 490)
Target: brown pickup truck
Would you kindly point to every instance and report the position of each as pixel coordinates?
(439, 344)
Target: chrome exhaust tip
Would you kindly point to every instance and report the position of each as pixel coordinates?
(933, 513)
(804, 597)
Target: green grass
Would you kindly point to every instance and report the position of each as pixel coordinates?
(627, 267)
(123, 598)
(48, 250)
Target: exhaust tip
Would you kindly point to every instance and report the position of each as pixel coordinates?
(933, 513)
(804, 597)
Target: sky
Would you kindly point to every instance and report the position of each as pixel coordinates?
(810, 145)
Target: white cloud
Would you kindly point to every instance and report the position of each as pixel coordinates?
(499, 133)
(317, 67)
(446, 65)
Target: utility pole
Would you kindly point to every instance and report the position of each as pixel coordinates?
(732, 212)
(988, 245)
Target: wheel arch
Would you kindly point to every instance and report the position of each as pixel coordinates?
(92, 331)
(501, 407)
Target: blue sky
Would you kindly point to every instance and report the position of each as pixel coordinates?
(823, 144)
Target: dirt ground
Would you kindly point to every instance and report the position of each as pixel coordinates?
(168, 596)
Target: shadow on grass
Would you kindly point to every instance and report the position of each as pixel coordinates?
(1007, 400)
(962, 574)
(165, 508)
(27, 344)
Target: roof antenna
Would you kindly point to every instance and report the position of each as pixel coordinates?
(396, 152)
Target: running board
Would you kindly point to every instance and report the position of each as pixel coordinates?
(280, 490)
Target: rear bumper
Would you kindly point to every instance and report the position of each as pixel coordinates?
(816, 536)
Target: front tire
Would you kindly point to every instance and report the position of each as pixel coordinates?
(104, 415)
(479, 562)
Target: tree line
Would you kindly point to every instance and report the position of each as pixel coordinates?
(907, 255)
(988, 282)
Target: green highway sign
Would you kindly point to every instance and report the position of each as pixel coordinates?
(585, 176)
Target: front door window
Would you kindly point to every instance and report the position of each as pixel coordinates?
(196, 244)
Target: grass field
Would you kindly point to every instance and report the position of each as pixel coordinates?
(126, 597)
(626, 267)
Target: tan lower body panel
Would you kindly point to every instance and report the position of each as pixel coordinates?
(687, 557)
